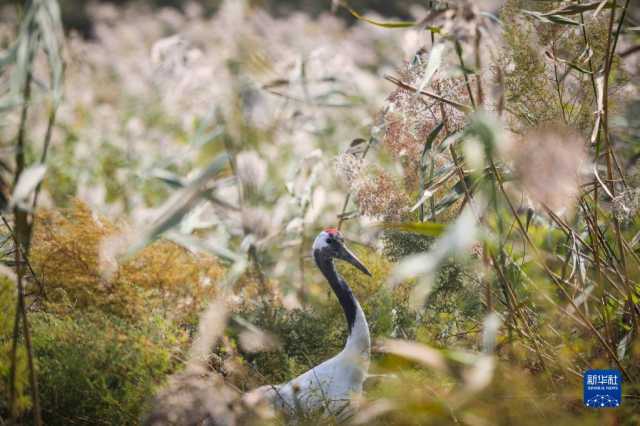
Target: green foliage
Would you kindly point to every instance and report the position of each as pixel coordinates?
(527, 83)
(102, 344)
(305, 340)
(94, 366)
(90, 365)
(452, 309)
(7, 317)
(400, 244)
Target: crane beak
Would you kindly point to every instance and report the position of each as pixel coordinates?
(348, 256)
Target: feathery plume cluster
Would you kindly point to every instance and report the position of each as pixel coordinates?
(195, 397)
(258, 222)
(252, 170)
(404, 125)
(408, 118)
(182, 78)
(349, 168)
(626, 204)
(377, 193)
(198, 395)
(548, 162)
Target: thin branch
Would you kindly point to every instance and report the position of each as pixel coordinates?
(557, 282)
(400, 83)
(612, 41)
(21, 314)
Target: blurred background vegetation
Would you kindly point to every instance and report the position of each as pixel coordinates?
(76, 17)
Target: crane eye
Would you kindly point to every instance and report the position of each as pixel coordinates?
(330, 240)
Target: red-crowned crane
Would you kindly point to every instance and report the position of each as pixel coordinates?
(329, 387)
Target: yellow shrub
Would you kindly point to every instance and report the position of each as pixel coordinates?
(163, 277)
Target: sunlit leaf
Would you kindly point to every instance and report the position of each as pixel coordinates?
(435, 58)
(180, 204)
(575, 8)
(433, 134)
(571, 64)
(623, 345)
(386, 24)
(550, 18)
(414, 351)
(27, 183)
(599, 80)
(488, 130)
(205, 246)
(490, 328)
(425, 196)
(428, 229)
(480, 374)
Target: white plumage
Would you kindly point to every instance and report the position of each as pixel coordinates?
(329, 387)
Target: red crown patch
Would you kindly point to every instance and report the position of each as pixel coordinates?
(332, 231)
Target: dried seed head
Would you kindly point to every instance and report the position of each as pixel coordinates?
(381, 196)
(349, 168)
(256, 340)
(252, 170)
(547, 161)
(407, 118)
(626, 204)
(212, 324)
(258, 222)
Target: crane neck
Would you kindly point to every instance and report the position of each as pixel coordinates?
(357, 327)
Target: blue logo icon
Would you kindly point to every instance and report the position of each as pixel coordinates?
(602, 388)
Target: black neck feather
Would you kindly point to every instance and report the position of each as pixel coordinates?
(339, 286)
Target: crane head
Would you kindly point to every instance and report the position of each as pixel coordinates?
(330, 244)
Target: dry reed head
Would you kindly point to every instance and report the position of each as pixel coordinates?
(252, 170)
(548, 161)
(381, 196)
(378, 194)
(198, 395)
(195, 398)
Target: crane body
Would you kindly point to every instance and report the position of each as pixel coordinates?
(329, 387)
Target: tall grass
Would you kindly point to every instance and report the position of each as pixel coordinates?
(39, 34)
